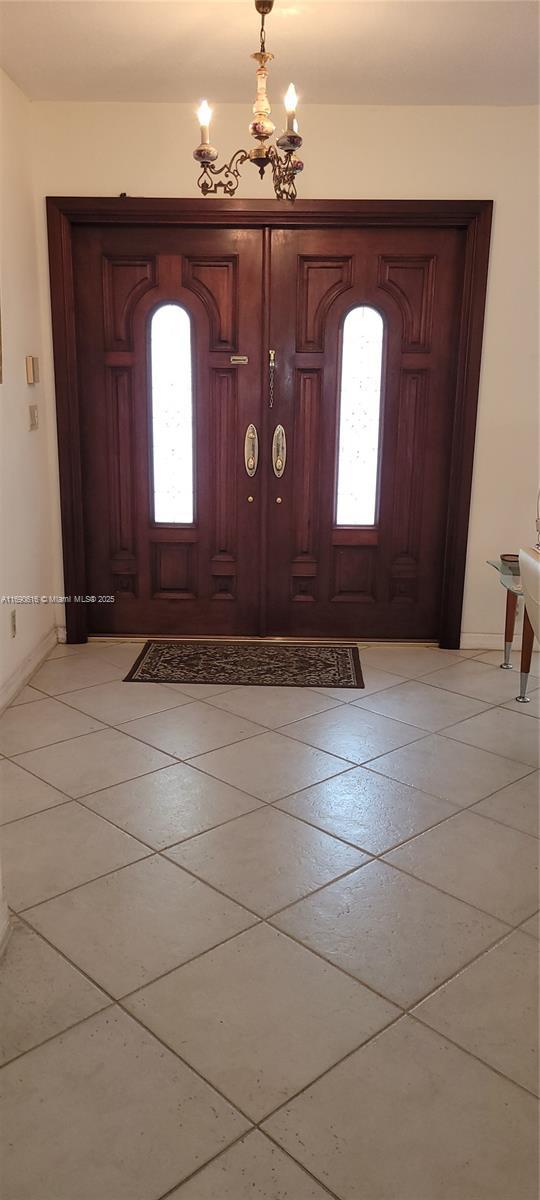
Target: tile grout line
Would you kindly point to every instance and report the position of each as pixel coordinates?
(113, 1001)
(397, 845)
(500, 788)
(487, 705)
(119, 728)
(494, 945)
(263, 916)
(170, 845)
(269, 803)
(60, 1033)
(527, 932)
(292, 937)
(258, 919)
(381, 858)
(152, 852)
(530, 771)
(76, 886)
(267, 920)
(38, 811)
(161, 853)
(504, 937)
(264, 729)
(197, 1170)
(483, 911)
(403, 1016)
(255, 1129)
(482, 1061)
(422, 735)
(119, 1002)
(208, 702)
(381, 995)
(471, 807)
(131, 1016)
(256, 1124)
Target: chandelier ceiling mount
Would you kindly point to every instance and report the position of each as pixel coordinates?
(281, 155)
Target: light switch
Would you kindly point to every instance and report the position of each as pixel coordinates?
(32, 369)
(33, 417)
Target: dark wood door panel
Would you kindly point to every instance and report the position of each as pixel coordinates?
(381, 581)
(173, 578)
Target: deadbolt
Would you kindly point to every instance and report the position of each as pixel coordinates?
(278, 500)
(250, 499)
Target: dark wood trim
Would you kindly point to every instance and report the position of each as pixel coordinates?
(355, 535)
(265, 425)
(68, 418)
(463, 434)
(139, 210)
(474, 216)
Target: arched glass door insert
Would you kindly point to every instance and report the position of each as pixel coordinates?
(359, 417)
(172, 416)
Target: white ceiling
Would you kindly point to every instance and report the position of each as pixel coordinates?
(336, 51)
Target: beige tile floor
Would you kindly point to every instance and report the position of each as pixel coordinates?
(270, 944)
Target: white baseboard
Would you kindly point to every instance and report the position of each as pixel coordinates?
(469, 641)
(27, 668)
(487, 641)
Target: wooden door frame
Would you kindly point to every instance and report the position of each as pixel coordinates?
(472, 216)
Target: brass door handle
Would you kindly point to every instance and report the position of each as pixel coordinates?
(279, 451)
(251, 450)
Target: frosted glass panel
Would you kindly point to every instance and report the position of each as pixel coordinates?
(359, 417)
(172, 415)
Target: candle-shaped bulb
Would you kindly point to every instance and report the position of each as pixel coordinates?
(291, 101)
(204, 116)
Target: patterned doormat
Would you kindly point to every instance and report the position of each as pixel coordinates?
(266, 664)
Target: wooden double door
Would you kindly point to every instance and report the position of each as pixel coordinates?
(266, 421)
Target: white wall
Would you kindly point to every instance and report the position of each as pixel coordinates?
(26, 493)
(368, 152)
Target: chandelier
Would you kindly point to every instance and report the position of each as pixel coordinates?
(280, 157)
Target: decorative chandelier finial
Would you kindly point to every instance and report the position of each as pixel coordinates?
(281, 157)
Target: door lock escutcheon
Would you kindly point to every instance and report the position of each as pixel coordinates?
(279, 451)
(251, 450)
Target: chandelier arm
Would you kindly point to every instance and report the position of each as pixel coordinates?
(283, 175)
(230, 172)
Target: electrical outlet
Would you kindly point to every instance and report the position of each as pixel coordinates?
(33, 417)
(13, 622)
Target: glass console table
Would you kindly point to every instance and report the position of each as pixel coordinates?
(514, 591)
